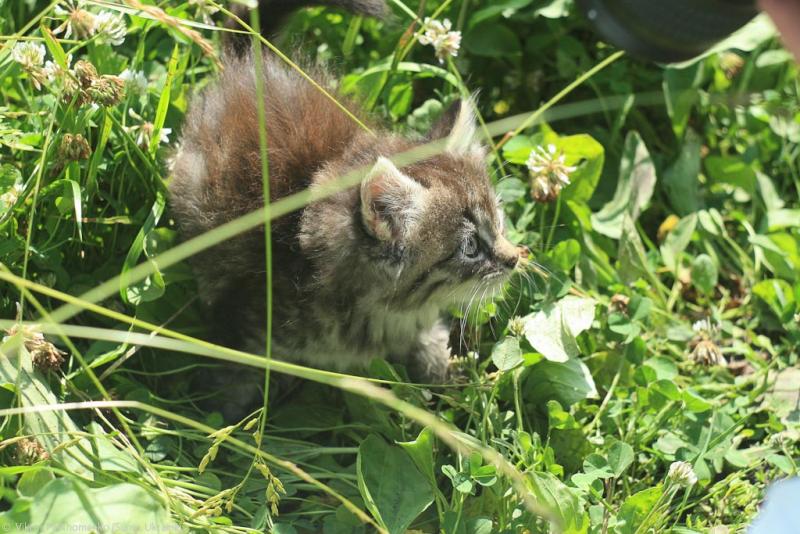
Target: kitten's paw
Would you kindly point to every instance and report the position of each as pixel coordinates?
(432, 360)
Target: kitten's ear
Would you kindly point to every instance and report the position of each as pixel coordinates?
(459, 126)
(391, 202)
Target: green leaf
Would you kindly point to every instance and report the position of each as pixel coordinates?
(589, 156)
(620, 456)
(704, 274)
(164, 100)
(637, 179)
(552, 330)
(152, 287)
(564, 504)
(677, 241)
(393, 489)
(731, 170)
(681, 178)
(492, 39)
(567, 382)
(510, 189)
(681, 93)
(67, 501)
(421, 451)
(54, 47)
(783, 396)
(778, 295)
(507, 354)
(637, 507)
(399, 99)
(566, 254)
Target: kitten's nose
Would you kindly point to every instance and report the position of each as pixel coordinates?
(506, 252)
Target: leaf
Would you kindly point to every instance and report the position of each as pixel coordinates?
(783, 397)
(54, 47)
(681, 93)
(399, 99)
(566, 254)
(564, 504)
(620, 456)
(780, 219)
(677, 241)
(567, 382)
(746, 39)
(76, 203)
(704, 274)
(510, 189)
(163, 101)
(506, 354)
(492, 39)
(151, 287)
(778, 295)
(421, 451)
(589, 156)
(731, 170)
(393, 489)
(552, 330)
(66, 501)
(633, 262)
(681, 178)
(637, 179)
(637, 507)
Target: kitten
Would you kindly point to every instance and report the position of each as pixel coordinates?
(364, 273)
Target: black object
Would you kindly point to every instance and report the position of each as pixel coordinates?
(667, 30)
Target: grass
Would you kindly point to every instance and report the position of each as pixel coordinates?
(659, 325)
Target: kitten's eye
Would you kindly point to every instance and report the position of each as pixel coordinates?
(471, 248)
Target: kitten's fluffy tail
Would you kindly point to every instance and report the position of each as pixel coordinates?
(273, 13)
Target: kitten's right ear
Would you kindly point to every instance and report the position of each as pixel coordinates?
(458, 125)
(391, 202)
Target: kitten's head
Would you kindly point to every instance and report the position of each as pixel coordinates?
(436, 227)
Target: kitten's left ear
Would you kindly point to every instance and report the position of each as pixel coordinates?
(459, 126)
(391, 202)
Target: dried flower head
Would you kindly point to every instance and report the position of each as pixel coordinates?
(85, 72)
(445, 42)
(731, 64)
(44, 355)
(682, 474)
(29, 451)
(74, 148)
(110, 28)
(549, 173)
(620, 302)
(707, 353)
(107, 90)
(79, 22)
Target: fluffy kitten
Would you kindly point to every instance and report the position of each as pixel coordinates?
(363, 273)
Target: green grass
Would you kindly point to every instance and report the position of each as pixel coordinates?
(577, 390)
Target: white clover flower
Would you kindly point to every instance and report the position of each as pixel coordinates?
(28, 54)
(705, 327)
(682, 474)
(445, 42)
(135, 81)
(110, 28)
(549, 173)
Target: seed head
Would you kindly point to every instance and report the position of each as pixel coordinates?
(44, 355)
(707, 353)
(620, 302)
(445, 42)
(682, 474)
(74, 148)
(10, 197)
(731, 64)
(79, 23)
(85, 72)
(107, 90)
(30, 451)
